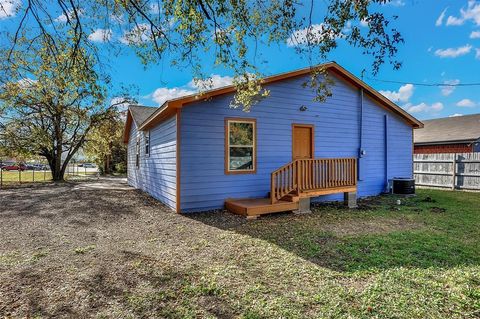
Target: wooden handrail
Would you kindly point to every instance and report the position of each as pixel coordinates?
(303, 175)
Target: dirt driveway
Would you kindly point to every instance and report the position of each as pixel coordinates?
(75, 249)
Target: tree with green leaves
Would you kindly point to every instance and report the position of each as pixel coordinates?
(181, 31)
(105, 144)
(50, 98)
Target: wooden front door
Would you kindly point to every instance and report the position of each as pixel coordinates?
(302, 141)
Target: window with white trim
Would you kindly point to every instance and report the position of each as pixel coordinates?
(240, 146)
(147, 143)
(137, 152)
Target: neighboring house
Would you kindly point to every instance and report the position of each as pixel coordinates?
(460, 134)
(197, 153)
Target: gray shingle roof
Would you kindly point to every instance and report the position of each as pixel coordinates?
(141, 113)
(450, 129)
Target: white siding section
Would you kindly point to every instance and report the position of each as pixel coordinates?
(156, 173)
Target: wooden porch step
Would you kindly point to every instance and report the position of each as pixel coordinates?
(291, 198)
(327, 191)
(258, 206)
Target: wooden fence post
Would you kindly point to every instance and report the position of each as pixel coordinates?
(454, 171)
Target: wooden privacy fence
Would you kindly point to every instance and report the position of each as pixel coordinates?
(454, 171)
(312, 174)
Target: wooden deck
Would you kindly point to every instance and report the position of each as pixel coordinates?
(253, 207)
(300, 179)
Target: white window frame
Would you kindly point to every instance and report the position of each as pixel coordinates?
(253, 170)
(147, 143)
(137, 152)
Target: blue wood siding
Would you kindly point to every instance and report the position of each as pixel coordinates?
(203, 182)
(157, 174)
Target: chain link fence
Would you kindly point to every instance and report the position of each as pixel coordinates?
(16, 174)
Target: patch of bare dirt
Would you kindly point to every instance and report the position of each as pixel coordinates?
(77, 250)
(438, 210)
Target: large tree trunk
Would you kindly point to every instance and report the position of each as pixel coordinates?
(58, 172)
(106, 164)
(53, 160)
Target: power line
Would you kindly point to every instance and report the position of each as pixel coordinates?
(425, 84)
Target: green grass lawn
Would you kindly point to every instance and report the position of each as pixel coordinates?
(25, 176)
(420, 259)
(12, 177)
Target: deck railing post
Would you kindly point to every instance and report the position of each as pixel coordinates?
(302, 175)
(272, 188)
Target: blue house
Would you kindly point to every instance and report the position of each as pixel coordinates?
(195, 153)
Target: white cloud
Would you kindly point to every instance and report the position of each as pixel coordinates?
(477, 54)
(26, 82)
(475, 35)
(364, 23)
(441, 17)
(396, 3)
(448, 89)
(101, 35)
(424, 107)
(214, 81)
(455, 115)
(121, 103)
(137, 35)
(403, 95)
(8, 8)
(70, 14)
(454, 21)
(466, 103)
(472, 12)
(163, 94)
(453, 52)
(314, 34)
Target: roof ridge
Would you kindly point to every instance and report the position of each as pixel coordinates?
(146, 106)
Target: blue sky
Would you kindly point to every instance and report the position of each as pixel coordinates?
(442, 45)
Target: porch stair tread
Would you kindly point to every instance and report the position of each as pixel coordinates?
(291, 198)
(327, 191)
(258, 206)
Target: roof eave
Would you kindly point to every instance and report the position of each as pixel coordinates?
(464, 141)
(169, 107)
(128, 125)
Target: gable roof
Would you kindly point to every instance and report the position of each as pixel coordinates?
(450, 129)
(140, 113)
(170, 107)
(137, 114)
